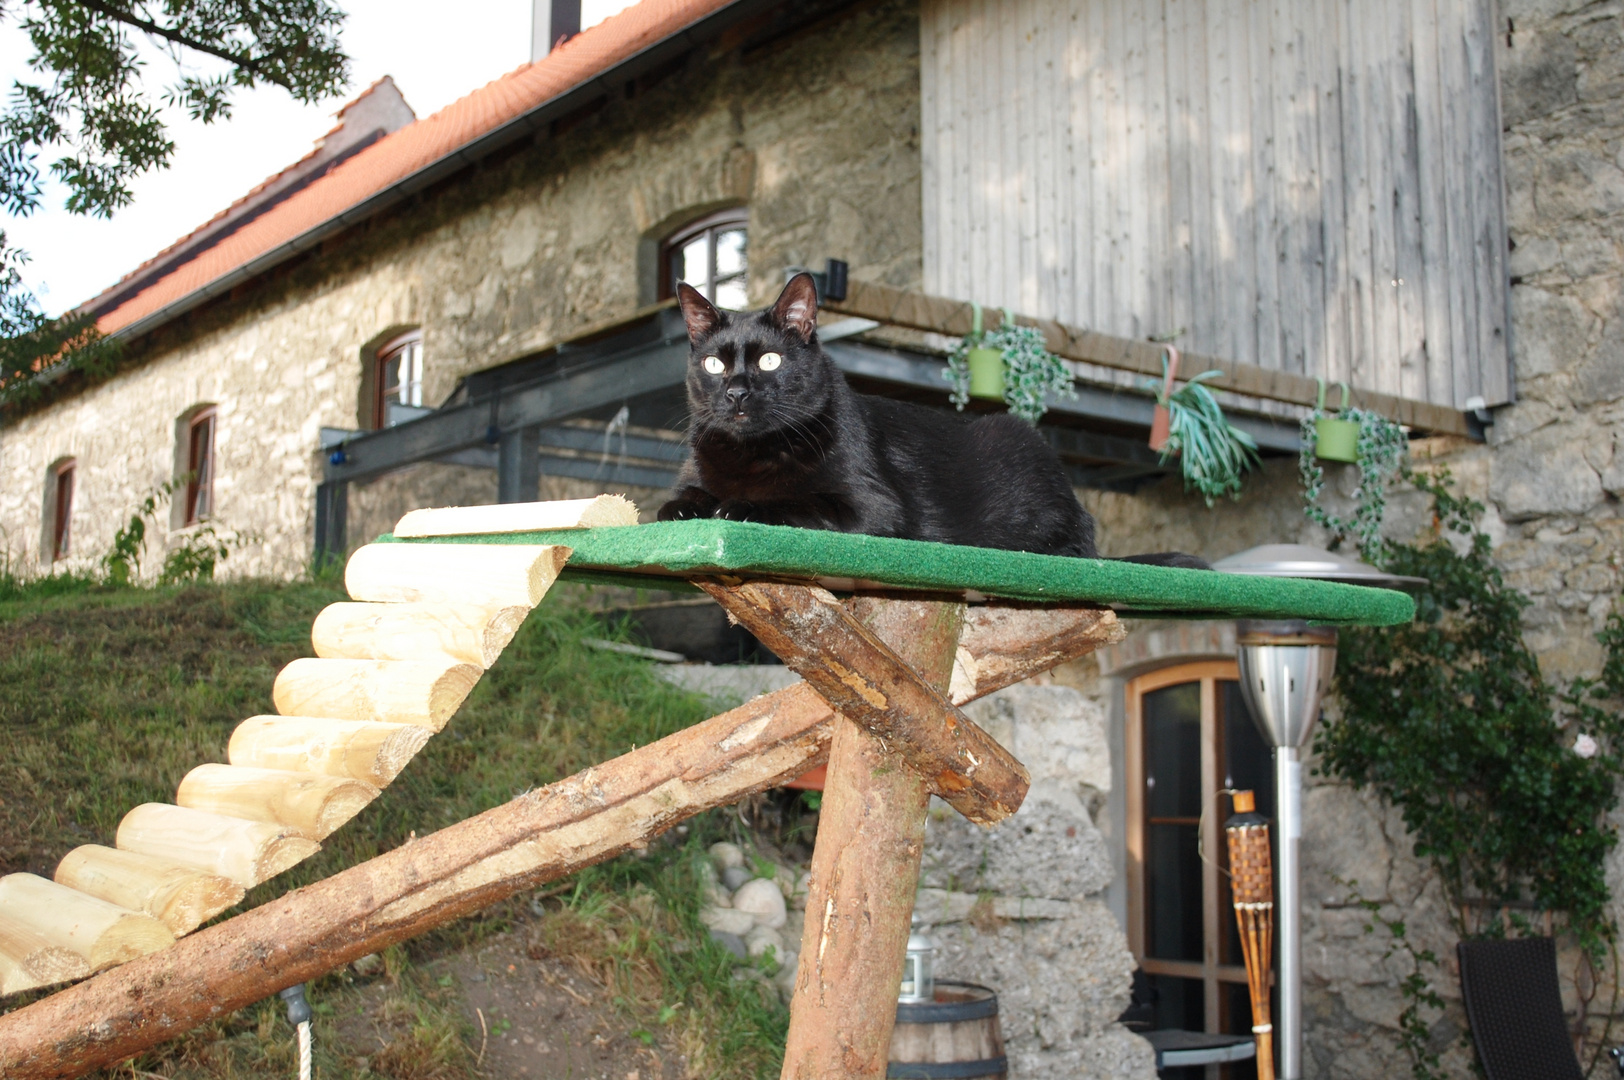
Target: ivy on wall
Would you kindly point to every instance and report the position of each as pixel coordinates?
(1503, 780)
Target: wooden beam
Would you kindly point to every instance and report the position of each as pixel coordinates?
(422, 692)
(919, 311)
(312, 804)
(863, 678)
(180, 897)
(865, 864)
(538, 837)
(471, 633)
(365, 750)
(246, 852)
(604, 510)
(104, 934)
(494, 575)
(1004, 644)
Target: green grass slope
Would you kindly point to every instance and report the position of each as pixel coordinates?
(109, 696)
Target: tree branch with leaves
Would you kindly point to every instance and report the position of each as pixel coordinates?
(87, 104)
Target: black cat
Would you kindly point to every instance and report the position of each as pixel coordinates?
(777, 436)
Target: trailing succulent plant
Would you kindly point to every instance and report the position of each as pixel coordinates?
(1381, 450)
(1031, 371)
(1212, 453)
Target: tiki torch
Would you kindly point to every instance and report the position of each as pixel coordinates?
(1251, 883)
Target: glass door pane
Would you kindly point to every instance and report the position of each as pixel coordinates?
(1172, 756)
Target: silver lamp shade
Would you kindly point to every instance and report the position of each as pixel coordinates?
(1285, 671)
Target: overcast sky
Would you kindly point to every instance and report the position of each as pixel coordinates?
(435, 59)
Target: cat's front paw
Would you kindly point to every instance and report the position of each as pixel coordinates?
(737, 510)
(685, 510)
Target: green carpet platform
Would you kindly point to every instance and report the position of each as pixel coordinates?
(661, 555)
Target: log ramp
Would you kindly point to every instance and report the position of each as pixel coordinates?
(391, 668)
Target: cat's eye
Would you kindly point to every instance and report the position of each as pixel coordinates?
(769, 361)
(714, 365)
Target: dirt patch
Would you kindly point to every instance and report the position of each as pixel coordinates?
(542, 1020)
(519, 1018)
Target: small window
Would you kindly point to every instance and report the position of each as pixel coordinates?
(59, 500)
(711, 255)
(398, 377)
(200, 467)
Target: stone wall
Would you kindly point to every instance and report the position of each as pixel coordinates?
(1020, 907)
(819, 140)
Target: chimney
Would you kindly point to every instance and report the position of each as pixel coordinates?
(551, 21)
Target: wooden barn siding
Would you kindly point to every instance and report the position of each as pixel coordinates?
(1311, 185)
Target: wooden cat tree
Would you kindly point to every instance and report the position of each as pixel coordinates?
(885, 671)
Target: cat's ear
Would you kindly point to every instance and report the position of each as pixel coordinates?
(700, 314)
(797, 307)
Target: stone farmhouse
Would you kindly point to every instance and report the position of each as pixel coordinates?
(1422, 200)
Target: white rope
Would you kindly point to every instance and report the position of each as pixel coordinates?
(304, 1051)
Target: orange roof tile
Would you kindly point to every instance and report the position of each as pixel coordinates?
(397, 156)
(247, 197)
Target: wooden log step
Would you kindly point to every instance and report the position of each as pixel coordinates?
(519, 517)
(366, 750)
(470, 633)
(247, 852)
(104, 934)
(28, 959)
(421, 692)
(181, 897)
(311, 803)
(493, 575)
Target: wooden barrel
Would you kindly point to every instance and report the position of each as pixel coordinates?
(955, 1037)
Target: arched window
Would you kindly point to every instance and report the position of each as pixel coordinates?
(58, 519)
(199, 471)
(1189, 737)
(397, 378)
(710, 254)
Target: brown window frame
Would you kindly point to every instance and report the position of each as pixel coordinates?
(710, 226)
(63, 479)
(201, 429)
(380, 364)
(1215, 897)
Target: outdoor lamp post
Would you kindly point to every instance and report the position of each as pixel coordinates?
(1285, 669)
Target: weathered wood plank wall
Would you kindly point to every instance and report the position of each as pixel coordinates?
(1311, 185)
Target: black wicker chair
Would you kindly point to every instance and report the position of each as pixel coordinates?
(1515, 1008)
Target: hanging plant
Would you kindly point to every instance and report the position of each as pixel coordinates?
(1011, 362)
(1212, 452)
(1379, 449)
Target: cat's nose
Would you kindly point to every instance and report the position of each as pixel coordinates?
(736, 395)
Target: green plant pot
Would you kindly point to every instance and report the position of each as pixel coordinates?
(1336, 440)
(987, 373)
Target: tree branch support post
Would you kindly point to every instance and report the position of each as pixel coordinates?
(887, 666)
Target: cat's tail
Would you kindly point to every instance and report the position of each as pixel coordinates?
(1168, 558)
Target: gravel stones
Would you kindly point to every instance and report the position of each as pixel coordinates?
(763, 900)
(725, 855)
(727, 920)
(763, 938)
